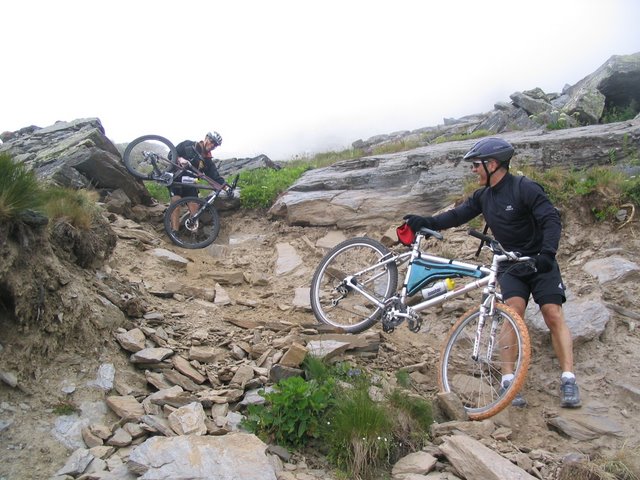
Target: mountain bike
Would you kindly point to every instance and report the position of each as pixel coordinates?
(356, 285)
(196, 221)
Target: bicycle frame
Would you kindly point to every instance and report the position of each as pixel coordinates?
(435, 267)
(168, 181)
(359, 283)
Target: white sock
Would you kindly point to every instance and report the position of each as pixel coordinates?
(567, 375)
(507, 378)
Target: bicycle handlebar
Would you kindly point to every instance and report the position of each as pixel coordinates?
(495, 246)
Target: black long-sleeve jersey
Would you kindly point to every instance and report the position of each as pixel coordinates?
(187, 150)
(518, 212)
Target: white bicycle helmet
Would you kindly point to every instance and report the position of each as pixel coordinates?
(215, 138)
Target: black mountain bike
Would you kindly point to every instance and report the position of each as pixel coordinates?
(191, 222)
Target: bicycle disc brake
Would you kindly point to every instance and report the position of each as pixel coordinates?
(191, 225)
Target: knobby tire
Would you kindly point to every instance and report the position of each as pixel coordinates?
(341, 306)
(142, 168)
(189, 234)
(477, 382)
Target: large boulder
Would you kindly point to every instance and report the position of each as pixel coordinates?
(74, 154)
(614, 84)
(377, 189)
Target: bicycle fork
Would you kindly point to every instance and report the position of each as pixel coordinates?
(486, 310)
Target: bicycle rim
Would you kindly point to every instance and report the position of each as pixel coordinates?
(187, 232)
(147, 157)
(477, 381)
(335, 303)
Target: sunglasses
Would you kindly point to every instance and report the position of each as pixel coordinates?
(476, 164)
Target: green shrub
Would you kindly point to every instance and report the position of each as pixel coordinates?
(293, 413)
(19, 189)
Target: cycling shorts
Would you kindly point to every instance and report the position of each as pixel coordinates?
(522, 281)
(183, 191)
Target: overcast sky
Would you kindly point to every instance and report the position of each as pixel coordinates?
(289, 77)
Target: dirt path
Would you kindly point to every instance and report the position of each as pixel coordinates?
(248, 245)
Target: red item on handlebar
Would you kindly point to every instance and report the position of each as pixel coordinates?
(406, 236)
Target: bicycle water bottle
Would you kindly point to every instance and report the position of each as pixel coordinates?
(188, 180)
(438, 288)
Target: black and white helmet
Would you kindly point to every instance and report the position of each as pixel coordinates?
(491, 147)
(215, 138)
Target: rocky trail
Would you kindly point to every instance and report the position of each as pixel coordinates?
(244, 301)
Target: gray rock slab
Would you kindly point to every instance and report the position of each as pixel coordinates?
(229, 457)
(611, 269)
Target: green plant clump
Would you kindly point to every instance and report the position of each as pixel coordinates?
(76, 207)
(19, 189)
(620, 114)
(157, 191)
(261, 187)
(293, 413)
(600, 190)
(463, 136)
(361, 438)
(65, 407)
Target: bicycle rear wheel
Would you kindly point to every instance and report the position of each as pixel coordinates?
(148, 158)
(477, 381)
(338, 304)
(188, 232)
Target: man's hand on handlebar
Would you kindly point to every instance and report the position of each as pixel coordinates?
(416, 222)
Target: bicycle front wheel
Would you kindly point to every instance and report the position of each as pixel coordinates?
(334, 300)
(192, 223)
(149, 158)
(504, 346)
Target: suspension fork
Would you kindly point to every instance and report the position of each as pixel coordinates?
(201, 210)
(487, 309)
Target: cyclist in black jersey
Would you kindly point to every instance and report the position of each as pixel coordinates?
(198, 154)
(522, 218)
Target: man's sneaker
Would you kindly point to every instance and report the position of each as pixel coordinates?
(518, 400)
(569, 393)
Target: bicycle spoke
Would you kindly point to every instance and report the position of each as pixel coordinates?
(185, 229)
(476, 381)
(148, 157)
(334, 299)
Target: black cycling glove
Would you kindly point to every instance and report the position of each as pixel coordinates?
(545, 262)
(416, 222)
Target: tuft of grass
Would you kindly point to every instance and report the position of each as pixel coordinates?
(361, 434)
(463, 136)
(261, 187)
(19, 189)
(76, 207)
(325, 159)
(413, 417)
(396, 146)
(157, 191)
(403, 378)
(65, 407)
